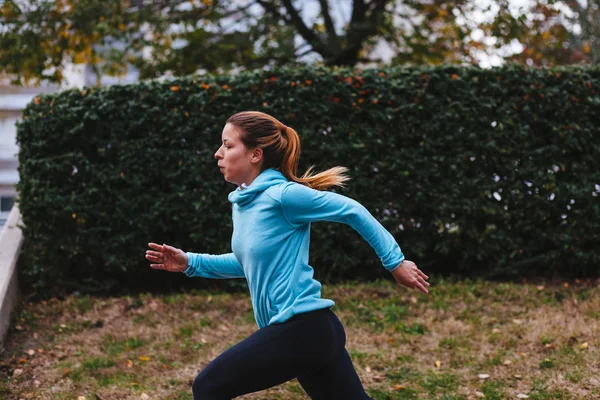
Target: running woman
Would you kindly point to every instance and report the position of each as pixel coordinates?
(299, 336)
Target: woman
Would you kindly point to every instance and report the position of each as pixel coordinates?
(272, 208)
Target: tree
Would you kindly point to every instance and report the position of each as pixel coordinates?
(184, 36)
(555, 32)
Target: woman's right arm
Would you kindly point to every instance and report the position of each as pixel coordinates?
(221, 266)
(172, 259)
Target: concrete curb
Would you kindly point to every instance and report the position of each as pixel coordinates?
(11, 239)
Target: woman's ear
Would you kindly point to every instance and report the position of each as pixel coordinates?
(257, 155)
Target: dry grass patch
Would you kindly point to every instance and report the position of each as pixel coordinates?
(465, 340)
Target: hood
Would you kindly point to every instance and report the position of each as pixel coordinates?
(266, 179)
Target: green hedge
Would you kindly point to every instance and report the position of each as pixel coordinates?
(489, 173)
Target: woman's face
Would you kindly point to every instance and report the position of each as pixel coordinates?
(234, 160)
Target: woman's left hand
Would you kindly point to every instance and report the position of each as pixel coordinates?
(407, 274)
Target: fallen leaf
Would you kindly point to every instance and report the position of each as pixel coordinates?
(483, 376)
(144, 396)
(496, 330)
(398, 387)
(31, 352)
(17, 372)
(522, 396)
(583, 346)
(377, 378)
(479, 394)
(22, 361)
(517, 321)
(81, 398)
(368, 369)
(129, 363)
(66, 372)
(507, 362)
(518, 376)
(144, 358)
(438, 363)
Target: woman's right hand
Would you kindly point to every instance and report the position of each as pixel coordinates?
(407, 274)
(167, 257)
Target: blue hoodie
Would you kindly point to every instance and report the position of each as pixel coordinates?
(271, 234)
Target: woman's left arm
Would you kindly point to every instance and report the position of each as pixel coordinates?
(302, 205)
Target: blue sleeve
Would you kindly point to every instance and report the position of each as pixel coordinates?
(302, 205)
(220, 266)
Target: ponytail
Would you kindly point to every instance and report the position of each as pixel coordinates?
(281, 149)
(335, 176)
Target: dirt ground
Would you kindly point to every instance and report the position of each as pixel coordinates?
(464, 340)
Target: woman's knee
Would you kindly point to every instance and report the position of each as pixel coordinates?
(337, 379)
(205, 389)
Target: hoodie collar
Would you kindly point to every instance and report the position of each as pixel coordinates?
(266, 179)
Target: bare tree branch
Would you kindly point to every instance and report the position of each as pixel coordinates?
(362, 25)
(327, 17)
(304, 53)
(304, 31)
(359, 8)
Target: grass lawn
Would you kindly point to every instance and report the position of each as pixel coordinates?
(464, 340)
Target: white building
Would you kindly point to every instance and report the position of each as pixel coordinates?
(12, 101)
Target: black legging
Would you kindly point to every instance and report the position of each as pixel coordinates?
(309, 346)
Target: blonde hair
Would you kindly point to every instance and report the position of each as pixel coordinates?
(281, 149)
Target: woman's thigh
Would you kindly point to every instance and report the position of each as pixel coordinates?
(335, 380)
(270, 356)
